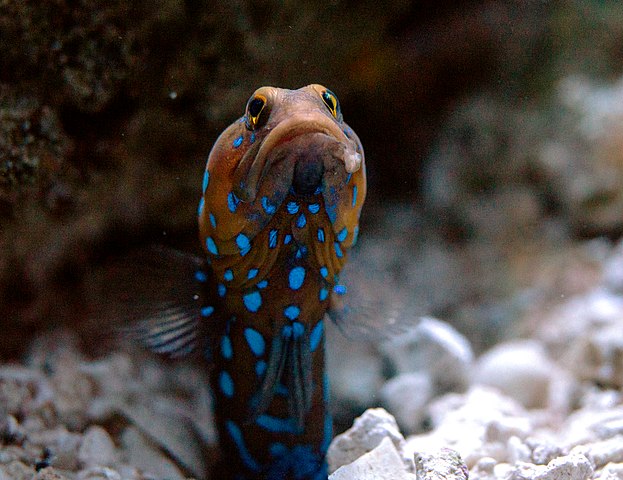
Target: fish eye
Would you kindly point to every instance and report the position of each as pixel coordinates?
(254, 109)
(332, 103)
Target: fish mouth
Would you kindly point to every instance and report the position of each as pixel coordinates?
(310, 142)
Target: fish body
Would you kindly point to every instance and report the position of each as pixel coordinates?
(282, 195)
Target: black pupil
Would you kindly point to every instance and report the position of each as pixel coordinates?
(255, 106)
(328, 99)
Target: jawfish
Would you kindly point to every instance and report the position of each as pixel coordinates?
(281, 199)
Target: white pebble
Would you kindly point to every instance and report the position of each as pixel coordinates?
(434, 347)
(612, 471)
(405, 397)
(98, 473)
(520, 369)
(604, 452)
(444, 464)
(367, 432)
(97, 448)
(381, 463)
(568, 467)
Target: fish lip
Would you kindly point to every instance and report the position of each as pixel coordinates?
(252, 171)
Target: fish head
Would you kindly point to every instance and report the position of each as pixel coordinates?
(288, 142)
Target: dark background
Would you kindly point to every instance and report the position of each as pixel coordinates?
(108, 110)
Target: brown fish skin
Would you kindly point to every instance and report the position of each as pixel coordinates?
(282, 195)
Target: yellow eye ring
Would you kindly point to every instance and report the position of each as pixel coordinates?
(254, 109)
(332, 103)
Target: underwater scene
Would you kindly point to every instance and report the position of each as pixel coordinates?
(310, 240)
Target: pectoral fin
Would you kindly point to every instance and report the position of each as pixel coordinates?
(153, 295)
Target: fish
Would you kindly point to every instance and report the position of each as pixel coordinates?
(281, 198)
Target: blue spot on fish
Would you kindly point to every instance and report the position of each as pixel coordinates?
(328, 424)
(338, 250)
(321, 235)
(226, 384)
(212, 220)
(331, 212)
(207, 311)
(324, 293)
(342, 234)
(299, 461)
(262, 284)
(272, 238)
(221, 290)
(201, 205)
(297, 329)
(226, 348)
(252, 137)
(286, 331)
(252, 273)
(243, 244)
(253, 301)
(275, 424)
(206, 181)
(245, 455)
(260, 368)
(301, 221)
(324, 272)
(292, 207)
(348, 177)
(277, 449)
(211, 246)
(354, 195)
(326, 391)
(228, 275)
(315, 336)
(340, 289)
(232, 202)
(201, 276)
(238, 141)
(255, 340)
(268, 208)
(314, 207)
(287, 239)
(292, 312)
